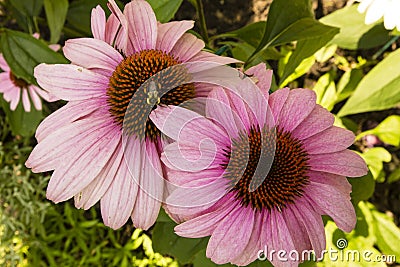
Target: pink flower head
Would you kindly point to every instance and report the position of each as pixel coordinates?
(259, 171)
(13, 87)
(84, 142)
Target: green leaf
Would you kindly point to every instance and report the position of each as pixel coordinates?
(394, 176)
(56, 13)
(325, 53)
(362, 188)
(387, 234)
(165, 241)
(200, 260)
(354, 33)
(29, 8)
(282, 16)
(326, 91)
(387, 131)
(21, 122)
(251, 33)
(375, 157)
(165, 9)
(378, 90)
(307, 47)
(348, 83)
(23, 53)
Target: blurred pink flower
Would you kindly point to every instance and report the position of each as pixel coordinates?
(224, 186)
(13, 87)
(83, 141)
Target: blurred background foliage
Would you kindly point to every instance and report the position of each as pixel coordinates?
(323, 45)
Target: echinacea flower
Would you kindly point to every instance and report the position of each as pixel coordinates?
(376, 9)
(13, 88)
(83, 141)
(219, 164)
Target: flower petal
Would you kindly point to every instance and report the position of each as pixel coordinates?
(70, 82)
(333, 139)
(262, 76)
(25, 100)
(346, 163)
(142, 26)
(277, 100)
(210, 57)
(35, 97)
(3, 64)
(186, 47)
(98, 23)
(169, 33)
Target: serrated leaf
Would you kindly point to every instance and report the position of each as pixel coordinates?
(56, 13)
(387, 130)
(165, 241)
(378, 90)
(165, 9)
(354, 33)
(23, 53)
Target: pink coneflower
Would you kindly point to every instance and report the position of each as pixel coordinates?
(83, 141)
(220, 166)
(13, 87)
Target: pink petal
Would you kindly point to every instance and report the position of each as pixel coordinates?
(312, 222)
(34, 96)
(296, 229)
(180, 178)
(119, 200)
(92, 54)
(151, 188)
(78, 171)
(14, 98)
(334, 180)
(277, 100)
(297, 107)
(169, 33)
(346, 163)
(231, 236)
(209, 57)
(263, 77)
(70, 82)
(204, 225)
(98, 23)
(180, 123)
(3, 64)
(337, 205)
(97, 188)
(142, 28)
(186, 47)
(249, 253)
(69, 113)
(5, 83)
(112, 28)
(319, 120)
(25, 100)
(333, 139)
(51, 152)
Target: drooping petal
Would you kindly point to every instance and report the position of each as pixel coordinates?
(35, 97)
(25, 100)
(231, 236)
(92, 193)
(70, 82)
(169, 34)
(346, 163)
(210, 57)
(151, 188)
(71, 177)
(3, 64)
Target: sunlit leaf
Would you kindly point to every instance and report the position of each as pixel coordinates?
(374, 157)
(354, 33)
(326, 91)
(378, 90)
(387, 131)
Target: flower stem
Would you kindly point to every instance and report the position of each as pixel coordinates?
(386, 46)
(202, 18)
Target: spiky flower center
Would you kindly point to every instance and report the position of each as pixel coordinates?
(284, 181)
(127, 78)
(20, 83)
